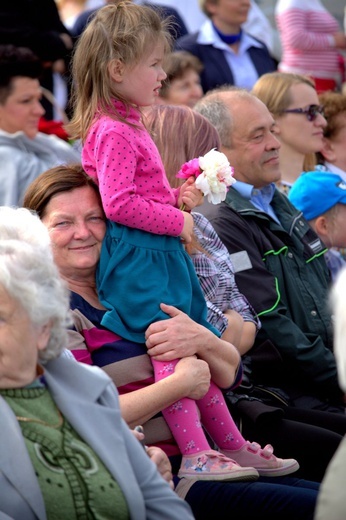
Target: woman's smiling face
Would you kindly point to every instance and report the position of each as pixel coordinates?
(77, 226)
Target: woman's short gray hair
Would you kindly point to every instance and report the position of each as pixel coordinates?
(29, 275)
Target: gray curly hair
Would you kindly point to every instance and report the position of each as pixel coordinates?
(29, 275)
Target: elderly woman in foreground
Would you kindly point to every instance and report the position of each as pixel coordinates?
(65, 452)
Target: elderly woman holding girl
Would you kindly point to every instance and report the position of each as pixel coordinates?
(68, 203)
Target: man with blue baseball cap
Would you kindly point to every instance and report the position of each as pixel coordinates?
(321, 197)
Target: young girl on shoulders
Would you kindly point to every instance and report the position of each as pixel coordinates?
(117, 70)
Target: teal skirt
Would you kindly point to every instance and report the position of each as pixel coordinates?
(138, 271)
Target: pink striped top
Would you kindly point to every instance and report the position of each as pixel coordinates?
(306, 29)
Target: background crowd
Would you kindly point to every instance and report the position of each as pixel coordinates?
(101, 103)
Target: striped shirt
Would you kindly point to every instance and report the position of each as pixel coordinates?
(306, 30)
(127, 363)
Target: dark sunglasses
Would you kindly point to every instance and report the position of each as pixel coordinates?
(311, 112)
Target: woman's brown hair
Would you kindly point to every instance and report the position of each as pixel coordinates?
(56, 180)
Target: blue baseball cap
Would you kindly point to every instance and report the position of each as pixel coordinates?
(314, 193)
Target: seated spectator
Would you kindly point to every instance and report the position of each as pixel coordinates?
(65, 450)
(312, 42)
(321, 197)
(333, 153)
(293, 102)
(178, 28)
(202, 354)
(36, 24)
(183, 83)
(331, 499)
(257, 23)
(228, 54)
(281, 271)
(24, 151)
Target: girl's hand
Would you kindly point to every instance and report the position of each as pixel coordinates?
(186, 234)
(189, 195)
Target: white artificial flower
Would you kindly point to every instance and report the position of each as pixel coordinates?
(216, 176)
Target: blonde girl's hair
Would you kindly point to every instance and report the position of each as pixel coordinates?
(180, 134)
(124, 31)
(273, 89)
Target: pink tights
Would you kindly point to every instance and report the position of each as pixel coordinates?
(185, 424)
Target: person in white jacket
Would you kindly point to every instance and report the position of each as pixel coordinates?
(24, 151)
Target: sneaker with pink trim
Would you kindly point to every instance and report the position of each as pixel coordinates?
(213, 465)
(262, 459)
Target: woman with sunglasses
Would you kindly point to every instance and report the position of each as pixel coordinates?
(292, 99)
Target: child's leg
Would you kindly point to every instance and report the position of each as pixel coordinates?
(182, 417)
(218, 421)
(199, 460)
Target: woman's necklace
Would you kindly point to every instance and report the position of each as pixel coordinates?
(44, 423)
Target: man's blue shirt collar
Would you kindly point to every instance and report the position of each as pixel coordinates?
(260, 198)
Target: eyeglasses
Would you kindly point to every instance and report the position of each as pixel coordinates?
(311, 112)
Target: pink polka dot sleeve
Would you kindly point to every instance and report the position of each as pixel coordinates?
(133, 186)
